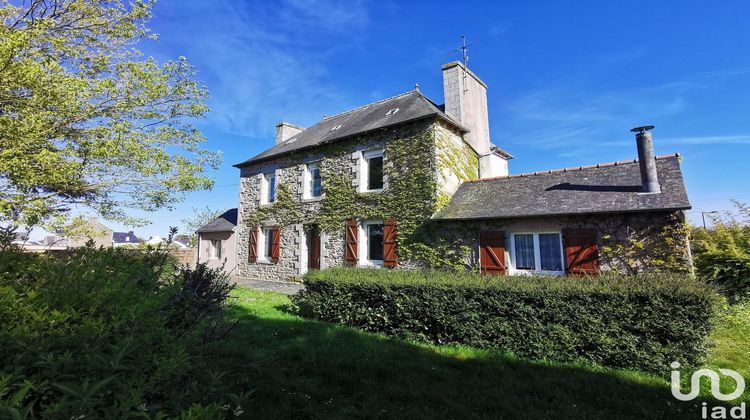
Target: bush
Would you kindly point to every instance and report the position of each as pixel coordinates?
(107, 333)
(722, 255)
(641, 322)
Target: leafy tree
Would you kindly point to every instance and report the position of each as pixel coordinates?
(200, 217)
(722, 254)
(86, 121)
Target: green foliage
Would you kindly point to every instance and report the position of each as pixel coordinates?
(410, 196)
(654, 248)
(722, 255)
(107, 333)
(85, 120)
(284, 211)
(641, 322)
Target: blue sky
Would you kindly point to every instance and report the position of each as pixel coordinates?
(567, 80)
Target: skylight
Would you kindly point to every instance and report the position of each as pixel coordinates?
(336, 127)
(391, 112)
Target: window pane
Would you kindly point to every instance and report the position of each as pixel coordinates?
(549, 251)
(218, 249)
(316, 189)
(272, 189)
(524, 251)
(269, 242)
(375, 242)
(375, 173)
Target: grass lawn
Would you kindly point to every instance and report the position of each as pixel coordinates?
(300, 368)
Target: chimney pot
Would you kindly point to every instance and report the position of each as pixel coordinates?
(647, 159)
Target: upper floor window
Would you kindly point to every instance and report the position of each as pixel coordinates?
(268, 189)
(537, 253)
(372, 170)
(313, 181)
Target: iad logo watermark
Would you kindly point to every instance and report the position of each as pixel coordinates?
(718, 412)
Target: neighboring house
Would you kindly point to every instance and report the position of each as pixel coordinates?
(406, 182)
(183, 241)
(124, 239)
(217, 244)
(93, 230)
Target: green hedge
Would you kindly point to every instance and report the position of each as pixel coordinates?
(637, 322)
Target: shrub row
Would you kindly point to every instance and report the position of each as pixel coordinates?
(107, 333)
(641, 322)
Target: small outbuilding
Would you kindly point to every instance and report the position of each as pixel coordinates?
(217, 244)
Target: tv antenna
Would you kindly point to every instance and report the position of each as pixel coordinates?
(464, 50)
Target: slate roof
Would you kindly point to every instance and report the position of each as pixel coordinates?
(410, 106)
(604, 188)
(124, 238)
(224, 223)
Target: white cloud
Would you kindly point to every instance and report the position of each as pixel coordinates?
(267, 62)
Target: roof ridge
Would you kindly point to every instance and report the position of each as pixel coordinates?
(328, 117)
(573, 169)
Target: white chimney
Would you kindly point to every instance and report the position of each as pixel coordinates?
(466, 102)
(285, 131)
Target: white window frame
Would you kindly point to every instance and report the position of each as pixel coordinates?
(363, 244)
(364, 172)
(265, 181)
(537, 255)
(214, 248)
(307, 186)
(263, 234)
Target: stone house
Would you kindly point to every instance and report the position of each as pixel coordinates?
(405, 182)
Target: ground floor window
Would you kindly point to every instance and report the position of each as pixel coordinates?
(371, 238)
(537, 252)
(265, 243)
(214, 251)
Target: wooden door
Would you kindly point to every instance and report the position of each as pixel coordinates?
(313, 249)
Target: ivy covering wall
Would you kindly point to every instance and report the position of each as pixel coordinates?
(417, 158)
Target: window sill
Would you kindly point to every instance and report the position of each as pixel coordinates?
(372, 191)
(312, 199)
(266, 204)
(370, 264)
(264, 261)
(536, 273)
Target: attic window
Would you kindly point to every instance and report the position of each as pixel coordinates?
(336, 127)
(391, 112)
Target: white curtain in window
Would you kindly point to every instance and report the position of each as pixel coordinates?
(549, 251)
(524, 250)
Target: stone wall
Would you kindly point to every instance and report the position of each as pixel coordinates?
(184, 256)
(289, 171)
(617, 226)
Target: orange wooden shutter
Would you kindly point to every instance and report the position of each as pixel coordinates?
(275, 243)
(252, 253)
(390, 254)
(581, 251)
(492, 252)
(350, 253)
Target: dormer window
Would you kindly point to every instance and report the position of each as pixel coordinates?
(313, 181)
(372, 171)
(268, 189)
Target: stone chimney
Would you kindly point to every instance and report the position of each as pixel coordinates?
(466, 102)
(647, 159)
(285, 130)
